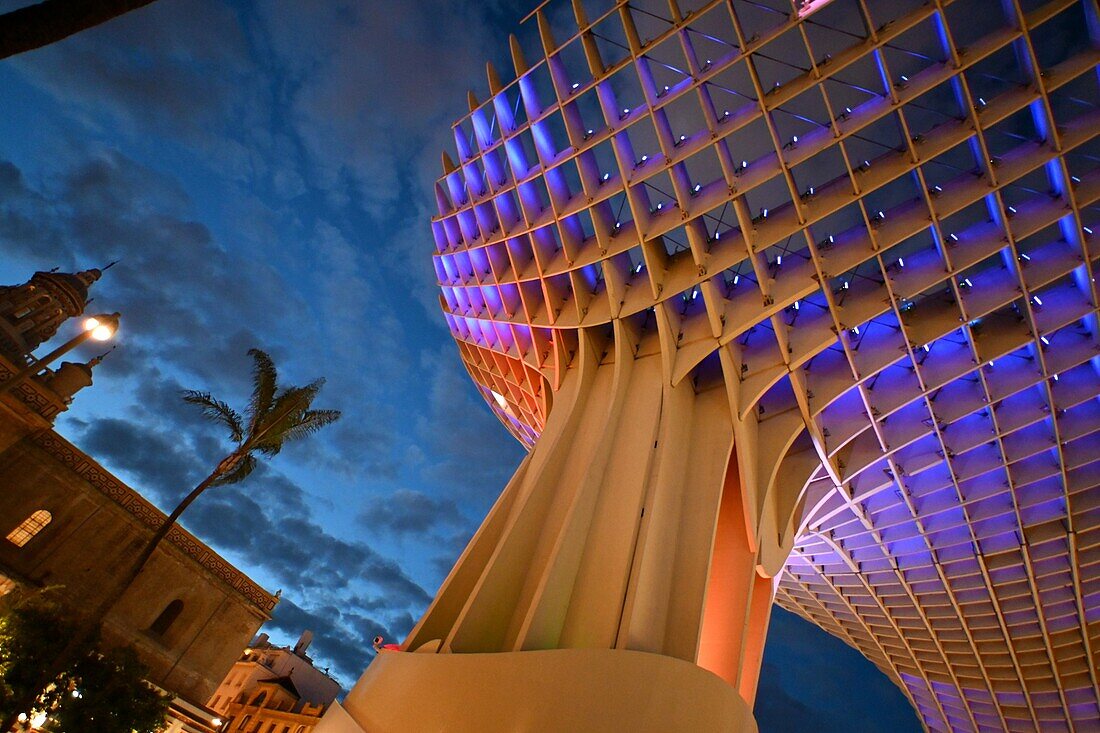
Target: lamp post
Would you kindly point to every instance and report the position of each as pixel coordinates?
(99, 328)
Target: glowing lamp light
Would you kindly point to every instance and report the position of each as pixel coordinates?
(101, 327)
(216, 722)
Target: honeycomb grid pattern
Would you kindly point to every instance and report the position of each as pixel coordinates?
(874, 217)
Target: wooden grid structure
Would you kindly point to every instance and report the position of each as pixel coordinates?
(870, 222)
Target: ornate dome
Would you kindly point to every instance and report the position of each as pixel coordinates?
(31, 313)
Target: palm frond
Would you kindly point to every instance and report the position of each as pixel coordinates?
(238, 474)
(216, 410)
(289, 404)
(291, 418)
(310, 422)
(265, 383)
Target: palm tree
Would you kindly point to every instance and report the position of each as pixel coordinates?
(273, 418)
(48, 21)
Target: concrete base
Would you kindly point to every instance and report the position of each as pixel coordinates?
(550, 691)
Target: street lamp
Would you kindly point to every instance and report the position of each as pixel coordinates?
(98, 328)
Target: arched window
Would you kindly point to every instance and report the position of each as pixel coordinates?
(166, 618)
(29, 527)
(259, 699)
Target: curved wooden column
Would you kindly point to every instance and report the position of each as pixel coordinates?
(623, 531)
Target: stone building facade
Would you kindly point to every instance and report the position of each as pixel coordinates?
(69, 525)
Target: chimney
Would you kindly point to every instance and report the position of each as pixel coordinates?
(303, 642)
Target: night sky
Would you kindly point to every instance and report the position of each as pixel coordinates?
(264, 170)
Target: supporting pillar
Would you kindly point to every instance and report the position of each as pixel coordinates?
(614, 576)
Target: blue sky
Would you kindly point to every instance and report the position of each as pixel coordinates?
(263, 171)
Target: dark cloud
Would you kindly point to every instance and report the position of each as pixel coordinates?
(264, 520)
(265, 525)
(406, 511)
(153, 458)
(341, 638)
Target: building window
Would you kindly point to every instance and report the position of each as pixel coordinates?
(7, 585)
(166, 618)
(259, 699)
(29, 527)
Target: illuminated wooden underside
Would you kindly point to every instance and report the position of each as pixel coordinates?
(869, 221)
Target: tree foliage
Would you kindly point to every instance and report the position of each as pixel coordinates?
(100, 691)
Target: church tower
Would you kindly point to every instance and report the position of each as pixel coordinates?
(31, 313)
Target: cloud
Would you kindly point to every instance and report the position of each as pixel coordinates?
(177, 68)
(340, 637)
(461, 437)
(407, 511)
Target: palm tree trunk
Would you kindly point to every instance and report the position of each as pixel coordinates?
(162, 532)
(34, 26)
(92, 621)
